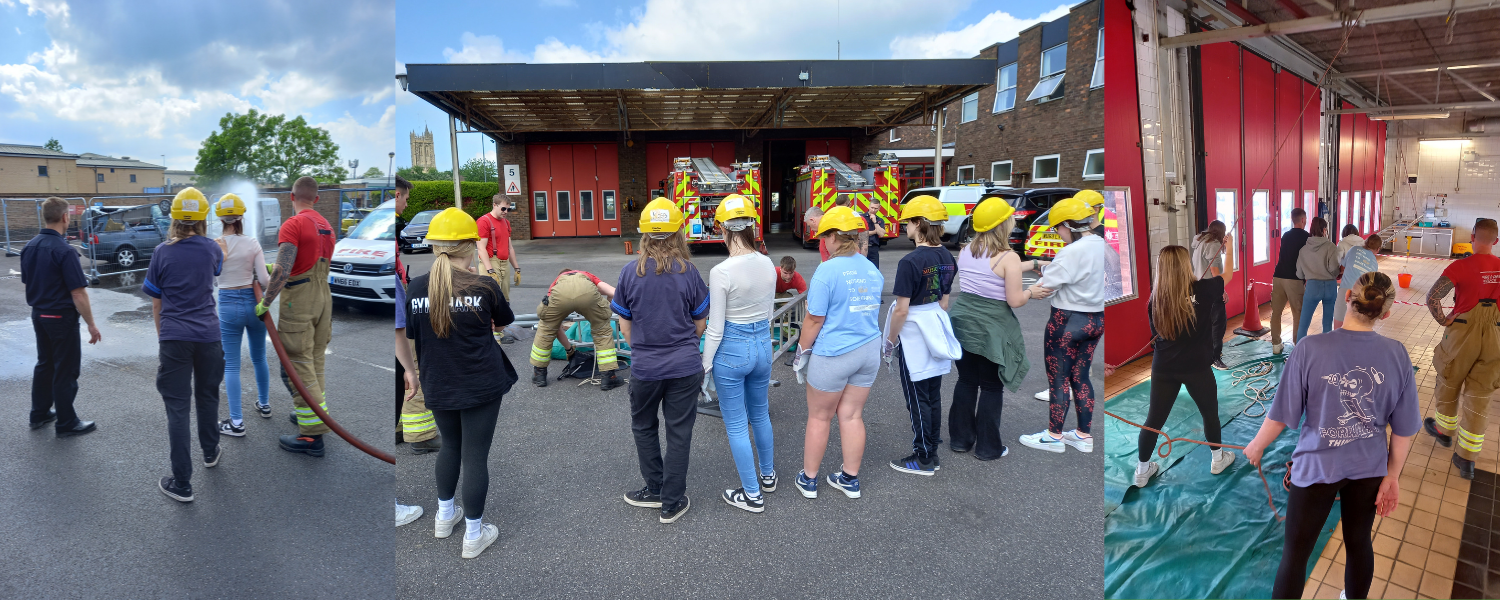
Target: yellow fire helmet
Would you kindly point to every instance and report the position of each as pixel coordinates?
(451, 226)
(1070, 209)
(991, 213)
(925, 207)
(1090, 197)
(840, 218)
(190, 205)
(661, 216)
(735, 213)
(229, 205)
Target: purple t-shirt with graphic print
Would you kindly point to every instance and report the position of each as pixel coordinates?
(661, 310)
(1349, 385)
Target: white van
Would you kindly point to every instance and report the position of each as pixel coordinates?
(364, 263)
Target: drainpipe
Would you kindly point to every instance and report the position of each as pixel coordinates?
(937, 157)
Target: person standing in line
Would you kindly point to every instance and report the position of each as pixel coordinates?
(304, 248)
(1349, 241)
(408, 388)
(498, 251)
(1355, 263)
(1349, 388)
(1318, 264)
(994, 351)
(663, 305)
(1467, 361)
(1287, 288)
(1181, 312)
(244, 264)
(737, 351)
(58, 295)
(452, 314)
(919, 333)
(838, 355)
(1077, 277)
(1211, 257)
(180, 283)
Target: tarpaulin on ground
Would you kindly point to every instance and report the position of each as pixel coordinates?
(1189, 533)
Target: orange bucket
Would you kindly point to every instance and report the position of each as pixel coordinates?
(1405, 279)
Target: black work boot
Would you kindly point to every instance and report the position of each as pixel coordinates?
(311, 445)
(539, 376)
(1429, 425)
(1465, 467)
(425, 446)
(611, 381)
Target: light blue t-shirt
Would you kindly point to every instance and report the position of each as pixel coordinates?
(1356, 263)
(846, 290)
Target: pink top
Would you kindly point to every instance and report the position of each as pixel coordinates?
(976, 277)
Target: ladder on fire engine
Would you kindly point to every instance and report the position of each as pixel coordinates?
(711, 179)
(846, 177)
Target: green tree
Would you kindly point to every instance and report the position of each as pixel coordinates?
(53, 145)
(266, 149)
(478, 169)
(373, 173)
(330, 174)
(423, 174)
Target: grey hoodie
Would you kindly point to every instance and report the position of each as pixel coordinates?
(1319, 259)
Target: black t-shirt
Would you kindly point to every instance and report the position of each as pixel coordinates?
(1192, 350)
(50, 271)
(467, 368)
(1286, 260)
(925, 275)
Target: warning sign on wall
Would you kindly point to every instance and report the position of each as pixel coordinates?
(512, 180)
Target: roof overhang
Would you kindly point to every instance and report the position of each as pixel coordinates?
(504, 99)
(905, 153)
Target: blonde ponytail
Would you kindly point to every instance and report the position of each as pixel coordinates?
(446, 281)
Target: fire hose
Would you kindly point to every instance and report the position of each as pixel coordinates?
(286, 365)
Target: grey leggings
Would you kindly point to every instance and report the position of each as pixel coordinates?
(466, 435)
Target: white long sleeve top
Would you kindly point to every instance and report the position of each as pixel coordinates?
(742, 289)
(243, 261)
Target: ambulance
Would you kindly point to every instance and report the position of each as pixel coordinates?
(363, 270)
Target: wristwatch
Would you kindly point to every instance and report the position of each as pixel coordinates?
(490, 271)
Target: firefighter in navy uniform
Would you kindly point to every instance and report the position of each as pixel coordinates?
(583, 293)
(58, 295)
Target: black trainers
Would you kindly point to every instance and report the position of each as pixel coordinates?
(181, 492)
(227, 427)
(1465, 467)
(643, 498)
(611, 381)
(671, 515)
(915, 465)
(768, 483)
(51, 416)
(212, 460)
(1429, 425)
(710, 408)
(1219, 364)
(311, 445)
(739, 499)
(265, 410)
(425, 446)
(539, 376)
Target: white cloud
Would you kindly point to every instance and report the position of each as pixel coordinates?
(293, 93)
(554, 50)
(366, 142)
(995, 27)
(481, 49)
(52, 9)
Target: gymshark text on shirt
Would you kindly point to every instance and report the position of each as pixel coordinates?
(466, 303)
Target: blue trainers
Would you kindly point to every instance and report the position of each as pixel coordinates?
(808, 487)
(913, 464)
(848, 485)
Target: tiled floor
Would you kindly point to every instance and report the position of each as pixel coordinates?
(1417, 548)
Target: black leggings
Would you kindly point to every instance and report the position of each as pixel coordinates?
(1068, 346)
(1164, 388)
(1307, 509)
(466, 435)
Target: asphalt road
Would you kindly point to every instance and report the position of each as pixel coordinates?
(84, 517)
(1026, 525)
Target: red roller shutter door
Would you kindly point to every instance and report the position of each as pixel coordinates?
(585, 191)
(574, 189)
(1126, 321)
(1286, 191)
(836, 148)
(1222, 166)
(1260, 146)
(610, 202)
(1339, 202)
(1310, 130)
(539, 181)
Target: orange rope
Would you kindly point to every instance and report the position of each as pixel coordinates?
(1165, 448)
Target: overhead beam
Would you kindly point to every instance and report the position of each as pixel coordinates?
(1291, 7)
(1403, 86)
(1455, 77)
(1414, 107)
(1418, 69)
(1383, 14)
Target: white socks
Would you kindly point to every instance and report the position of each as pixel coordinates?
(238, 422)
(1142, 466)
(475, 527)
(445, 509)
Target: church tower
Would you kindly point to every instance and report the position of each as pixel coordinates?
(421, 150)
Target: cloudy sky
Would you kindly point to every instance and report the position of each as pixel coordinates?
(147, 78)
(551, 31)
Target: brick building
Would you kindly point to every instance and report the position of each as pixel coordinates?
(34, 170)
(1047, 127)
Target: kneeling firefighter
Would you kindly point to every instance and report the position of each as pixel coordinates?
(584, 293)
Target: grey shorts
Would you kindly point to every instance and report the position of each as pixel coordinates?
(856, 367)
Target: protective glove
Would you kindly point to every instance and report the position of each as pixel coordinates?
(516, 275)
(801, 363)
(261, 308)
(888, 354)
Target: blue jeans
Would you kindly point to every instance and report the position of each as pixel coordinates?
(236, 317)
(742, 374)
(1318, 290)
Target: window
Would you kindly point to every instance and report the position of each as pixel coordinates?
(1376, 225)
(1225, 209)
(1098, 79)
(1343, 208)
(1000, 172)
(1310, 203)
(564, 206)
(1288, 202)
(132, 179)
(609, 205)
(1119, 278)
(1260, 232)
(1044, 169)
(41, 170)
(965, 173)
(1049, 87)
(1005, 88)
(970, 108)
(1369, 198)
(99, 177)
(894, 137)
(1093, 164)
(539, 204)
(586, 205)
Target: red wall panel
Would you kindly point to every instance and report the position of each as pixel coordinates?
(1125, 321)
(585, 179)
(608, 157)
(1221, 124)
(1288, 149)
(1260, 147)
(1310, 130)
(1379, 173)
(1346, 168)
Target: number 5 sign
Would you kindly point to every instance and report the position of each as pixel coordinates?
(512, 180)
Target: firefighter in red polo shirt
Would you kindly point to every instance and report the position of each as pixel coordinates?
(585, 294)
(497, 255)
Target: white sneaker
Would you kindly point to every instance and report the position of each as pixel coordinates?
(1043, 395)
(1043, 441)
(1276, 348)
(1078, 442)
(444, 527)
(487, 535)
(1142, 478)
(1222, 460)
(406, 514)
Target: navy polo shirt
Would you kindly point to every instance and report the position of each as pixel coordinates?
(661, 310)
(182, 277)
(50, 272)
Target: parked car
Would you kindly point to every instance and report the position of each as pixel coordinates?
(1043, 242)
(363, 268)
(961, 200)
(415, 231)
(124, 235)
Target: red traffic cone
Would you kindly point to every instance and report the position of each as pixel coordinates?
(1252, 327)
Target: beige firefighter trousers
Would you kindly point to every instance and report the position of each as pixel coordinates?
(574, 293)
(1467, 363)
(306, 326)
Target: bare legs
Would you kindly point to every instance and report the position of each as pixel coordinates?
(822, 407)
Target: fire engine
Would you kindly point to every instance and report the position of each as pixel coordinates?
(1042, 241)
(875, 190)
(697, 186)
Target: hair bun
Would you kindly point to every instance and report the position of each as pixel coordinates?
(1375, 295)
